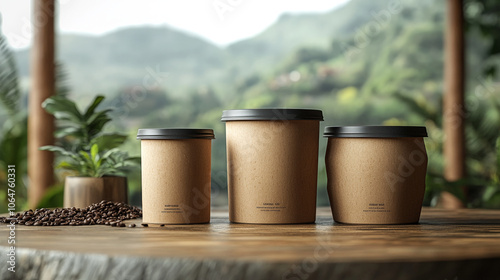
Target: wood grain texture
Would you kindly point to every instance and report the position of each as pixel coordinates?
(454, 106)
(41, 125)
(446, 244)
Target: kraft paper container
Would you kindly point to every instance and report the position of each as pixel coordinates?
(272, 163)
(376, 174)
(175, 175)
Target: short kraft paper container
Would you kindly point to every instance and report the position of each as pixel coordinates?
(376, 174)
(176, 166)
(272, 164)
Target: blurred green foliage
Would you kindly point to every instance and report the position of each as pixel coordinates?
(13, 134)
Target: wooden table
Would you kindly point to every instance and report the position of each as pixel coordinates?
(463, 244)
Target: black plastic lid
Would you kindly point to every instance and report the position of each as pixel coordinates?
(375, 131)
(275, 114)
(174, 133)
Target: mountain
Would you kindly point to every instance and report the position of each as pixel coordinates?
(128, 56)
(293, 31)
(350, 61)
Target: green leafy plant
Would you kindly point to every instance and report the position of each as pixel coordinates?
(13, 133)
(86, 149)
(491, 195)
(483, 152)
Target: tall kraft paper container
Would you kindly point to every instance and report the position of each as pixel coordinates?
(176, 166)
(376, 174)
(272, 163)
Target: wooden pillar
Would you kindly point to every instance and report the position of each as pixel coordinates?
(40, 124)
(454, 107)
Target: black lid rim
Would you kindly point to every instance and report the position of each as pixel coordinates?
(174, 133)
(374, 131)
(271, 114)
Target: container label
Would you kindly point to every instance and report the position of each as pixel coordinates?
(270, 207)
(172, 209)
(376, 207)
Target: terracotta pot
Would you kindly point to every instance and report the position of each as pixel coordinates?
(81, 192)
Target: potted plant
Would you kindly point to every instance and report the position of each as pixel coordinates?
(91, 156)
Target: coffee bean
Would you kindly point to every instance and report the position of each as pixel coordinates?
(102, 213)
(131, 225)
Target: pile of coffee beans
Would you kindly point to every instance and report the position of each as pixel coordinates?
(102, 213)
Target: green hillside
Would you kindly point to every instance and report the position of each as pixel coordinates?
(123, 58)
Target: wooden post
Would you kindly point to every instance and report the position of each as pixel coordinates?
(454, 108)
(41, 124)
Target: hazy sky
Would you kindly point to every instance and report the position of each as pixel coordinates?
(219, 21)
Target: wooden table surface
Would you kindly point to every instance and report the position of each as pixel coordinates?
(460, 244)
